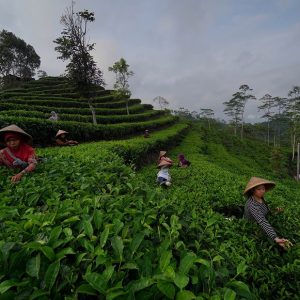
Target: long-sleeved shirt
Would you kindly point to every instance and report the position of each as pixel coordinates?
(30, 158)
(256, 211)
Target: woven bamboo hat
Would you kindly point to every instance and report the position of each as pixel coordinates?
(162, 153)
(15, 129)
(60, 132)
(256, 181)
(164, 163)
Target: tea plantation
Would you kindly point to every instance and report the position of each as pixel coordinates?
(91, 223)
(30, 105)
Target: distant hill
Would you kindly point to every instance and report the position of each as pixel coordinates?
(30, 105)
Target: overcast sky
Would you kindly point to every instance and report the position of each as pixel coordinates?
(194, 53)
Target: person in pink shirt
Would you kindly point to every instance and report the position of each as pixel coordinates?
(17, 154)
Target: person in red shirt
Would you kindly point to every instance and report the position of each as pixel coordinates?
(18, 154)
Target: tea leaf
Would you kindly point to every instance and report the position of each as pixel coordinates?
(187, 262)
(229, 294)
(167, 289)
(88, 228)
(185, 295)
(117, 244)
(96, 281)
(164, 260)
(104, 236)
(87, 290)
(51, 274)
(33, 266)
(181, 280)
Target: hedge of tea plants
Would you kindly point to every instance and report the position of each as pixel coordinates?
(237, 260)
(77, 228)
(86, 226)
(30, 106)
(110, 119)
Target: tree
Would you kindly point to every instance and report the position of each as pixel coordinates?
(281, 105)
(42, 74)
(122, 72)
(73, 46)
(161, 101)
(233, 110)
(267, 105)
(207, 114)
(235, 107)
(293, 110)
(243, 97)
(16, 57)
(184, 113)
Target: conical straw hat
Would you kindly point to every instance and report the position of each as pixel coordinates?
(256, 181)
(162, 153)
(164, 163)
(16, 129)
(60, 132)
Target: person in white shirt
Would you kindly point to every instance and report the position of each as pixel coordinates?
(163, 175)
(54, 116)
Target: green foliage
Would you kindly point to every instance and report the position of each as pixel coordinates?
(16, 57)
(76, 226)
(232, 256)
(72, 45)
(30, 106)
(44, 131)
(278, 162)
(82, 111)
(85, 225)
(122, 72)
(110, 119)
(58, 103)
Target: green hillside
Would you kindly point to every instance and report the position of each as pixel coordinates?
(30, 107)
(85, 225)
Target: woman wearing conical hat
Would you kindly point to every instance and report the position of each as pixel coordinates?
(162, 157)
(17, 154)
(256, 208)
(61, 139)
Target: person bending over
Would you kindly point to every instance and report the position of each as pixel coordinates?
(18, 154)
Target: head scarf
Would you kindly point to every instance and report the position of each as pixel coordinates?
(23, 152)
(13, 135)
(182, 159)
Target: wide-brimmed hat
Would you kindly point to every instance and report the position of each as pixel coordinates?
(164, 163)
(256, 181)
(60, 132)
(162, 153)
(15, 129)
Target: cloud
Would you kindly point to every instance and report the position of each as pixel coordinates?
(194, 53)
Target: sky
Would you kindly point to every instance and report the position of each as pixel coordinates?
(194, 53)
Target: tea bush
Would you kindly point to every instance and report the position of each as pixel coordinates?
(30, 106)
(211, 186)
(44, 131)
(77, 226)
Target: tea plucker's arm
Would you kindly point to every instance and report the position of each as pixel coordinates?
(259, 217)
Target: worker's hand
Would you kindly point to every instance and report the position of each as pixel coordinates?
(279, 209)
(284, 243)
(17, 177)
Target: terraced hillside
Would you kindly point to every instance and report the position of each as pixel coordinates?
(30, 107)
